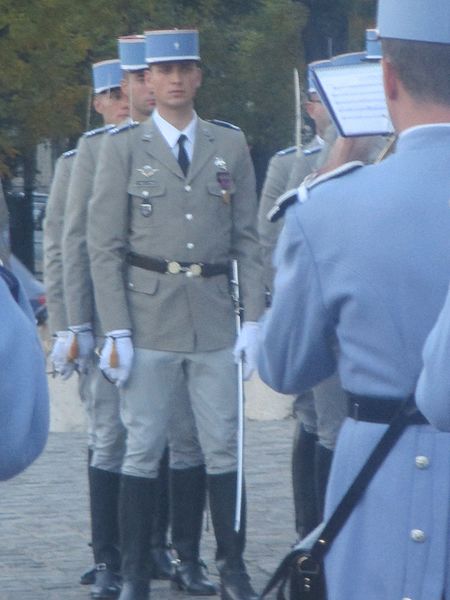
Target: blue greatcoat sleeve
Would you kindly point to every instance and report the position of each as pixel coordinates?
(296, 350)
(433, 388)
(24, 402)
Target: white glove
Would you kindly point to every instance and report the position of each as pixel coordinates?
(58, 355)
(116, 356)
(81, 345)
(247, 347)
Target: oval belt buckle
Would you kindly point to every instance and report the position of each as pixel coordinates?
(173, 267)
(195, 270)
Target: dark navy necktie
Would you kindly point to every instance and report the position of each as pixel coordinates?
(183, 159)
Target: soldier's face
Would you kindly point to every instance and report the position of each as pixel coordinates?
(318, 113)
(174, 84)
(140, 96)
(112, 105)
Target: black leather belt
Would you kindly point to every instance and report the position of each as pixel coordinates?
(375, 409)
(173, 267)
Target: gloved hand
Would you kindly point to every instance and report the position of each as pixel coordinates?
(58, 355)
(81, 345)
(247, 347)
(116, 356)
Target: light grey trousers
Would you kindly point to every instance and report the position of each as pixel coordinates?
(322, 410)
(175, 396)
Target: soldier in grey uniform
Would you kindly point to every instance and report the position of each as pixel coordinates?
(53, 273)
(174, 200)
(187, 482)
(321, 411)
(108, 431)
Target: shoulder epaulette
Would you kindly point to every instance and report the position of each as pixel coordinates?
(311, 151)
(292, 149)
(311, 181)
(97, 131)
(281, 205)
(124, 127)
(287, 151)
(224, 124)
(302, 193)
(69, 153)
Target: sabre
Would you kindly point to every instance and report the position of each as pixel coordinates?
(240, 437)
(298, 113)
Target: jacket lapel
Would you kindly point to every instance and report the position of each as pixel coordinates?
(156, 147)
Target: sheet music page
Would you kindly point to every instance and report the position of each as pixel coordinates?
(355, 95)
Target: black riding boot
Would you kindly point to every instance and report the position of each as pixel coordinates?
(234, 580)
(88, 577)
(322, 465)
(160, 554)
(136, 508)
(104, 497)
(303, 481)
(188, 494)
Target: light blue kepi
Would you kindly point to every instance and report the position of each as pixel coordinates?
(106, 75)
(132, 52)
(171, 45)
(415, 20)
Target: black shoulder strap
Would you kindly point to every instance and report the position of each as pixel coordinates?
(334, 524)
(365, 475)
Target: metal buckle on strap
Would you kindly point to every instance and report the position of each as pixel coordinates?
(193, 270)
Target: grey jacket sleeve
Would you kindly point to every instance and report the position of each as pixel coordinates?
(53, 232)
(77, 279)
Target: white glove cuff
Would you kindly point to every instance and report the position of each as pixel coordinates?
(81, 328)
(62, 334)
(118, 333)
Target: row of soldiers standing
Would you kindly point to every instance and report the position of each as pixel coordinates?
(143, 219)
(160, 282)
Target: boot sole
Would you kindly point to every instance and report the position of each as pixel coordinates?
(179, 587)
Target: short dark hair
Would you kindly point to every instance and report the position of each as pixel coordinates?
(421, 68)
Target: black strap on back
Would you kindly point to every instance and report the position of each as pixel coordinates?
(401, 420)
(354, 493)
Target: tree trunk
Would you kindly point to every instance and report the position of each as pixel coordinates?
(326, 31)
(23, 245)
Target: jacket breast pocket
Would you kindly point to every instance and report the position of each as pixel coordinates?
(147, 203)
(224, 195)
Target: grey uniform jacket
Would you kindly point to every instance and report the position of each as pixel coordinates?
(53, 234)
(78, 288)
(143, 203)
(286, 171)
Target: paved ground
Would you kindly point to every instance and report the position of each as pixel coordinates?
(44, 528)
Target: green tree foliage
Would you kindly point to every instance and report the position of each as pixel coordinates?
(249, 49)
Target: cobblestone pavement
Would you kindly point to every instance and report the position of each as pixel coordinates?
(45, 529)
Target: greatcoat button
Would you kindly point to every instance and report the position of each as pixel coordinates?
(189, 245)
(417, 535)
(189, 216)
(422, 462)
(145, 194)
(187, 188)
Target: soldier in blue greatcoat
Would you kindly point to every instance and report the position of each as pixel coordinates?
(365, 260)
(433, 388)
